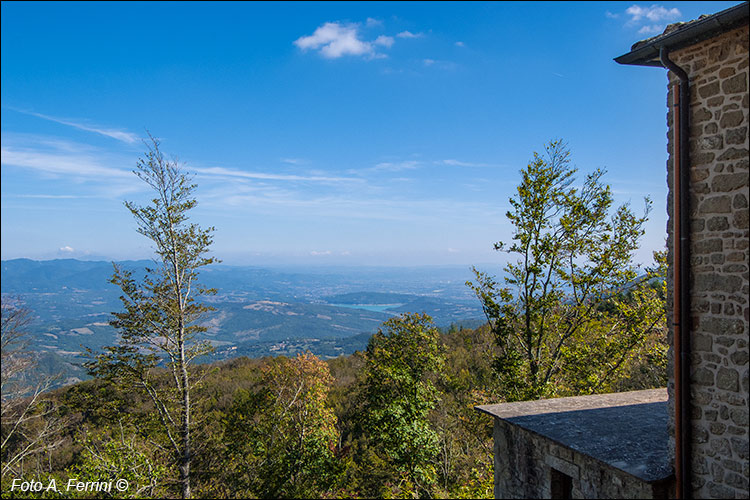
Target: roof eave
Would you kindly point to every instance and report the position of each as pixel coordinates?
(648, 54)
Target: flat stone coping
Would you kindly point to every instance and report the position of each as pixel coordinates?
(625, 430)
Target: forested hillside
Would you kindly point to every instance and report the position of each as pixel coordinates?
(301, 427)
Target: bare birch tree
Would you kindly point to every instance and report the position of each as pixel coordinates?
(30, 423)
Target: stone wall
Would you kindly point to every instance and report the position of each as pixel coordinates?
(718, 71)
(524, 463)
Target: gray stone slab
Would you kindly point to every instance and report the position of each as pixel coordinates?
(626, 430)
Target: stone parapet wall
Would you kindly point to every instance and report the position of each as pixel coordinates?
(524, 464)
(718, 72)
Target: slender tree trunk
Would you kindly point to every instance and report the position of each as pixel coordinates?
(185, 458)
(185, 431)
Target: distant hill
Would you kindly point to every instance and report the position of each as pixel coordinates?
(369, 298)
(259, 311)
(25, 275)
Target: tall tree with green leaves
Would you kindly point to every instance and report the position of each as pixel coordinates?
(160, 321)
(281, 437)
(560, 300)
(402, 365)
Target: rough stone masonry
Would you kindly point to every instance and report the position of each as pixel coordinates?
(718, 72)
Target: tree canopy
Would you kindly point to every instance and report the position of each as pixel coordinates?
(160, 320)
(571, 310)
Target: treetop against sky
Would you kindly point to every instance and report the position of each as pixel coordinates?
(321, 133)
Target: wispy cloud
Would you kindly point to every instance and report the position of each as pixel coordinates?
(437, 63)
(320, 252)
(404, 165)
(66, 249)
(120, 135)
(293, 161)
(69, 163)
(52, 196)
(358, 204)
(62, 164)
(334, 40)
(229, 172)
(460, 44)
(461, 163)
(457, 163)
(409, 34)
(367, 200)
(390, 166)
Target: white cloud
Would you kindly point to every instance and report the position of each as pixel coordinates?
(409, 34)
(76, 170)
(651, 29)
(371, 21)
(119, 135)
(229, 172)
(359, 204)
(654, 13)
(397, 166)
(385, 41)
(460, 44)
(324, 252)
(460, 163)
(334, 40)
(66, 249)
(369, 200)
(293, 161)
(457, 163)
(61, 163)
(51, 196)
(649, 20)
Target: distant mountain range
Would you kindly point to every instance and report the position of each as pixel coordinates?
(259, 311)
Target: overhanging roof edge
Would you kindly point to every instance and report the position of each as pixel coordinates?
(693, 32)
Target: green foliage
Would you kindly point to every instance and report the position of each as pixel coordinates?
(246, 445)
(108, 458)
(480, 484)
(563, 321)
(281, 437)
(161, 313)
(402, 364)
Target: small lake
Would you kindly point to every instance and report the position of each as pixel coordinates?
(368, 307)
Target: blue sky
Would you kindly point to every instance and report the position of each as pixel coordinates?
(321, 133)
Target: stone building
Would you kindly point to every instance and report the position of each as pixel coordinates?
(692, 439)
(601, 446)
